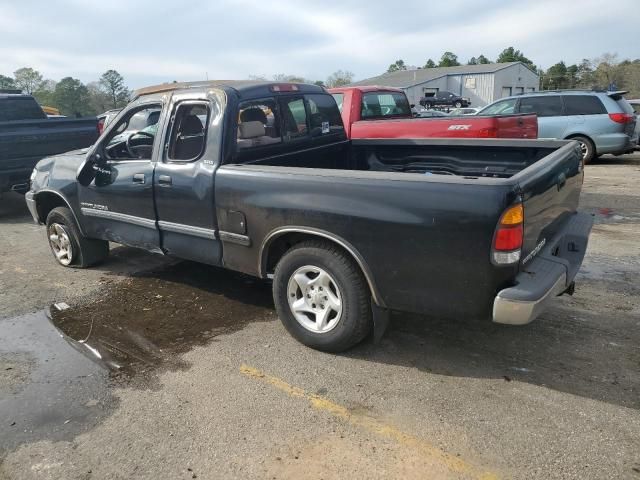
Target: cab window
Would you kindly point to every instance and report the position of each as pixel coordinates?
(324, 118)
(294, 118)
(258, 124)
(188, 133)
(384, 104)
(133, 136)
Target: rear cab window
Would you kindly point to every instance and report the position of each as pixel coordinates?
(583, 105)
(339, 98)
(543, 106)
(377, 105)
(258, 124)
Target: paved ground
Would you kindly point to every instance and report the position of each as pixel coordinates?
(211, 386)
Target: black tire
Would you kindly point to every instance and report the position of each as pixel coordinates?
(588, 146)
(85, 251)
(356, 318)
(458, 104)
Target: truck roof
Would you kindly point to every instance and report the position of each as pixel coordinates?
(242, 87)
(366, 88)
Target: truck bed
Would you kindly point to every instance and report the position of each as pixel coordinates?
(406, 215)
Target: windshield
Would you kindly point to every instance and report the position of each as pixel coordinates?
(385, 104)
(504, 107)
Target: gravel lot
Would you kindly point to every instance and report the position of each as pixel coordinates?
(211, 386)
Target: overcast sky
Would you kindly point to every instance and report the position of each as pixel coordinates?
(152, 41)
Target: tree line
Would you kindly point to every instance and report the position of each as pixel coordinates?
(604, 72)
(69, 95)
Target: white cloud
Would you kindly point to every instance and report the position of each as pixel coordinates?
(151, 40)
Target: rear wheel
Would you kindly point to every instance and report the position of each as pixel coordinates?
(458, 104)
(322, 297)
(586, 147)
(69, 247)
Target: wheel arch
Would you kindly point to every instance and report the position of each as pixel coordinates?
(47, 200)
(280, 240)
(588, 137)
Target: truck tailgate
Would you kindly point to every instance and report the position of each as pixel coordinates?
(550, 190)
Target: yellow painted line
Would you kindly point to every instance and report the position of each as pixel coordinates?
(451, 462)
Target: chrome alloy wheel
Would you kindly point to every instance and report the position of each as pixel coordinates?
(584, 149)
(314, 299)
(60, 243)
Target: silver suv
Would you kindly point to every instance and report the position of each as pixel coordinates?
(602, 122)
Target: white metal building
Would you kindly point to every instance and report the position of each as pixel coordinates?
(483, 84)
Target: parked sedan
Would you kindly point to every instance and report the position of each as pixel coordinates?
(431, 114)
(463, 111)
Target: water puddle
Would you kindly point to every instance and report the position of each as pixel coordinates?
(148, 320)
(57, 365)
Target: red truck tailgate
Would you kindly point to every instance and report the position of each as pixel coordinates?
(506, 126)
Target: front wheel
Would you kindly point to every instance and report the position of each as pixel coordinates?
(322, 297)
(458, 104)
(69, 247)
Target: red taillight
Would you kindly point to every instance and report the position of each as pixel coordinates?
(100, 126)
(508, 238)
(621, 117)
(507, 241)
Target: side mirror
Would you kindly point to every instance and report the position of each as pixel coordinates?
(89, 169)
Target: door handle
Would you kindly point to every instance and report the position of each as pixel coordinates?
(164, 180)
(138, 178)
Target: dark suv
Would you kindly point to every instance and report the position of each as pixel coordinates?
(444, 99)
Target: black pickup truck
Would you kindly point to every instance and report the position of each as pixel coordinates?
(444, 99)
(27, 135)
(260, 178)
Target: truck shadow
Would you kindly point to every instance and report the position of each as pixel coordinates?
(14, 209)
(628, 159)
(568, 351)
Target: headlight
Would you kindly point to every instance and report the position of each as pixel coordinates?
(33, 174)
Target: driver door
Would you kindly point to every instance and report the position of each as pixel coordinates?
(118, 204)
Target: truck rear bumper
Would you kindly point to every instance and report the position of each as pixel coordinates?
(549, 274)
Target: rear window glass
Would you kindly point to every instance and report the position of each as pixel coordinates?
(583, 105)
(324, 117)
(20, 108)
(294, 117)
(384, 104)
(339, 98)
(543, 106)
(258, 124)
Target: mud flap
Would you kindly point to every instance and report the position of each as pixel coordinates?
(381, 318)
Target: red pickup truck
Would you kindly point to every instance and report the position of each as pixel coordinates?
(384, 112)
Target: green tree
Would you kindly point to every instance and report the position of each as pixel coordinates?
(99, 100)
(510, 54)
(585, 74)
(472, 61)
(27, 79)
(283, 77)
(7, 82)
(319, 83)
(44, 93)
(112, 84)
(397, 66)
(71, 97)
(430, 64)
(449, 59)
(482, 60)
(556, 76)
(339, 78)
